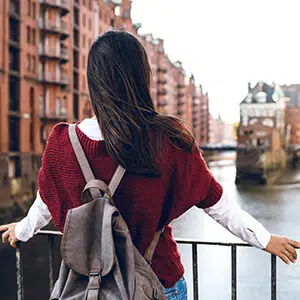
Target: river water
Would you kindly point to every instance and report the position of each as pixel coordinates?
(277, 207)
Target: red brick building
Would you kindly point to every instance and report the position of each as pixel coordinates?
(43, 58)
(43, 77)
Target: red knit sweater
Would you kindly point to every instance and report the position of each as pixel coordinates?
(145, 203)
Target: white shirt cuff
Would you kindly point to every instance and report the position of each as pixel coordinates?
(229, 214)
(38, 217)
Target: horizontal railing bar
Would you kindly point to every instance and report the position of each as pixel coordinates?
(197, 242)
(49, 232)
(178, 240)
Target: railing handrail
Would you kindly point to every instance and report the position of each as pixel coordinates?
(193, 242)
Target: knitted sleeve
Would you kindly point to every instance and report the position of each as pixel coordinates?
(191, 184)
(50, 185)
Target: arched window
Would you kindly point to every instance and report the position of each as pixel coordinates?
(268, 122)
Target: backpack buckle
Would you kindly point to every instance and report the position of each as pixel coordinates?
(155, 294)
(92, 276)
(93, 287)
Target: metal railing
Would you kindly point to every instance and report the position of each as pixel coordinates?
(194, 243)
(61, 27)
(234, 246)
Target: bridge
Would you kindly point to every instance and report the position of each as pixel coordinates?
(222, 148)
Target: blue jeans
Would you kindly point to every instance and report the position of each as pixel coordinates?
(178, 291)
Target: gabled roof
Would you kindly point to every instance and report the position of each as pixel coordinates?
(260, 87)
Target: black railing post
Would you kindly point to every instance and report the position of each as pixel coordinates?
(233, 272)
(195, 271)
(273, 277)
(20, 288)
(50, 259)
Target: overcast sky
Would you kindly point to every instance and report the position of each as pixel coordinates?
(227, 43)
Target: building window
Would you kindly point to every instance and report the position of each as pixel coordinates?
(57, 106)
(42, 105)
(100, 14)
(33, 36)
(112, 22)
(76, 38)
(13, 94)
(28, 34)
(83, 41)
(75, 81)
(14, 167)
(90, 4)
(76, 106)
(13, 30)
(14, 129)
(76, 59)
(84, 62)
(28, 63)
(76, 16)
(28, 8)
(83, 2)
(90, 24)
(33, 64)
(90, 43)
(13, 59)
(84, 20)
(33, 11)
(83, 83)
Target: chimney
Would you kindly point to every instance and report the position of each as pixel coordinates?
(249, 87)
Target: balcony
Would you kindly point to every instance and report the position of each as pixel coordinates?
(14, 8)
(54, 79)
(51, 256)
(53, 53)
(60, 28)
(162, 92)
(180, 113)
(180, 95)
(180, 86)
(62, 5)
(162, 81)
(55, 116)
(181, 103)
(162, 103)
(162, 70)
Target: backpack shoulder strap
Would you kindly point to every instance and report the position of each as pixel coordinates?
(81, 158)
(116, 179)
(85, 166)
(148, 255)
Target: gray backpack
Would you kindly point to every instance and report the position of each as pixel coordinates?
(99, 260)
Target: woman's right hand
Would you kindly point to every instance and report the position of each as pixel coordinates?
(283, 248)
(9, 234)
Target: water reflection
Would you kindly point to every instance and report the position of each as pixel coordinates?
(278, 208)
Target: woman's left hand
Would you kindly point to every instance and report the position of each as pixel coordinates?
(9, 234)
(283, 248)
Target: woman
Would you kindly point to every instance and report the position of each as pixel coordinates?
(166, 174)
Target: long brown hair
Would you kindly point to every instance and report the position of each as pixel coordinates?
(119, 78)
